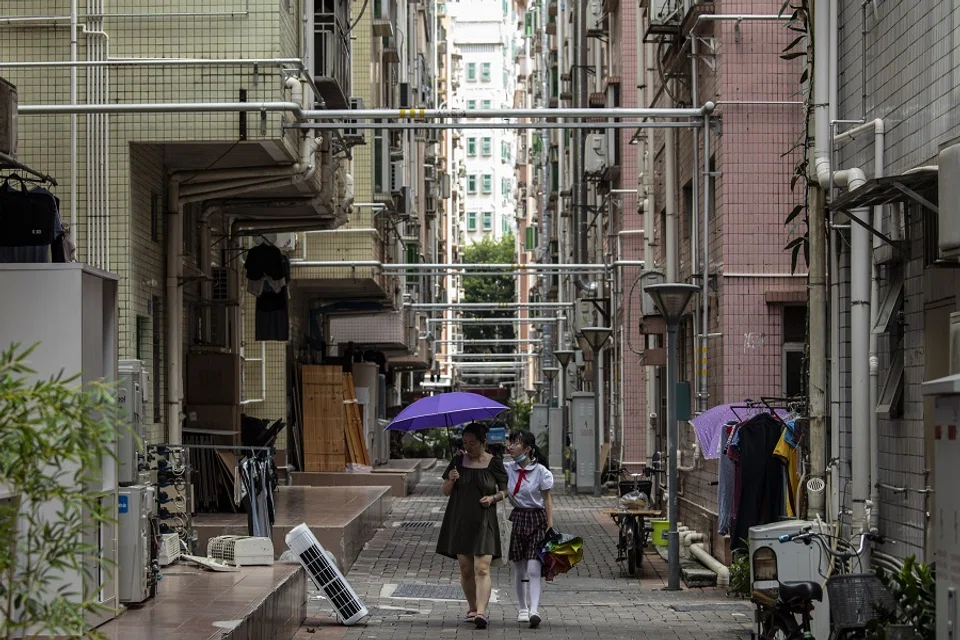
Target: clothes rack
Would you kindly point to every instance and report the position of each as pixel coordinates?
(7, 162)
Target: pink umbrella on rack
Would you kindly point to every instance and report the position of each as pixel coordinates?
(709, 424)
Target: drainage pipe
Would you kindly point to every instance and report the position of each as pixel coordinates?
(649, 211)
(723, 573)
(701, 362)
(580, 182)
(73, 121)
(669, 186)
(173, 313)
(879, 131)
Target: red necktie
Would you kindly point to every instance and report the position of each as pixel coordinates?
(523, 474)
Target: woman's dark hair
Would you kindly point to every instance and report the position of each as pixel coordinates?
(527, 439)
(477, 430)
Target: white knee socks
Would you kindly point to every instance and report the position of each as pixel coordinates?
(533, 571)
(520, 583)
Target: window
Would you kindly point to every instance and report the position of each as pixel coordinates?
(506, 9)
(531, 239)
(472, 221)
(485, 72)
(487, 183)
(471, 146)
(487, 220)
(505, 187)
(486, 147)
(688, 213)
(471, 183)
(792, 358)
(504, 150)
(505, 225)
(485, 104)
(471, 72)
(157, 329)
(471, 105)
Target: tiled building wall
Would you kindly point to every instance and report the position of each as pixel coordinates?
(905, 72)
(750, 199)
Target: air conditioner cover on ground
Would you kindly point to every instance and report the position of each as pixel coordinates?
(241, 551)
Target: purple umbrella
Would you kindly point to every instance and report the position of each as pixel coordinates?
(446, 410)
(709, 424)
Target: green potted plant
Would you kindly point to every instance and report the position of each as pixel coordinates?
(54, 438)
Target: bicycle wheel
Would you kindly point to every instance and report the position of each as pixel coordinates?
(780, 627)
(632, 561)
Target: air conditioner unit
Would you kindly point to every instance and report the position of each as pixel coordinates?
(445, 185)
(241, 551)
(405, 97)
(382, 20)
(355, 104)
(397, 175)
(595, 154)
(323, 570)
(224, 285)
(949, 191)
(404, 203)
(169, 549)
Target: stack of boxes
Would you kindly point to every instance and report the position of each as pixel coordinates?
(213, 396)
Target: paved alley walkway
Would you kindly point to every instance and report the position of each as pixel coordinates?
(593, 601)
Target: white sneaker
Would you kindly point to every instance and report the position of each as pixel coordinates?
(524, 616)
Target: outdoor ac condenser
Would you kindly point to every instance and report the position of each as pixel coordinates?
(595, 153)
(241, 551)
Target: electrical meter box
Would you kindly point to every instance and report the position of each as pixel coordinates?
(946, 448)
(773, 562)
(583, 431)
(132, 400)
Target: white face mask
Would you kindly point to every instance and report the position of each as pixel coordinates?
(521, 458)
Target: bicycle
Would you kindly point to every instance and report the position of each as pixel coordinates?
(854, 597)
(629, 517)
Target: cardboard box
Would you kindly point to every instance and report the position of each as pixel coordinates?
(214, 417)
(213, 378)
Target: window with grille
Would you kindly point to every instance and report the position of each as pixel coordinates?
(471, 72)
(472, 221)
(793, 361)
(487, 183)
(486, 146)
(471, 183)
(471, 146)
(487, 220)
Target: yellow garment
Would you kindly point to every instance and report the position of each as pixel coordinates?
(789, 456)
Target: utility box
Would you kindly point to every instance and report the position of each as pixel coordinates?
(132, 400)
(555, 437)
(135, 568)
(773, 562)
(538, 419)
(595, 154)
(946, 392)
(583, 431)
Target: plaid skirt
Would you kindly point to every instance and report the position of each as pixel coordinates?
(529, 530)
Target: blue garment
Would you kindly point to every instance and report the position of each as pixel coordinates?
(725, 486)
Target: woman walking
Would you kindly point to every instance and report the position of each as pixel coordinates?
(529, 484)
(470, 533)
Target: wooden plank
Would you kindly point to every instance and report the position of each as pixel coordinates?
(356, 444)
(324, 447)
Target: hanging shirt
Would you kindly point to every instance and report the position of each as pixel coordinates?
(761, 476)
(526, 484)
(786, 452)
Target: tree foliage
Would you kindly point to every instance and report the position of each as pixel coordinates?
(54, 438)
(490, 289)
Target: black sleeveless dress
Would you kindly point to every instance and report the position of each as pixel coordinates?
(469, 528)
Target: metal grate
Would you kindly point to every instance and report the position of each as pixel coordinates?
(429, 591)
(418, 524)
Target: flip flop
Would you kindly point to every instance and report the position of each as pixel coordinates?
(471, 616)
(481, 621)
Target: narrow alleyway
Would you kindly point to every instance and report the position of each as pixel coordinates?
(593, 601)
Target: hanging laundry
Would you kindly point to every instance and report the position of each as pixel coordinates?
(268, 277)
(725, 485)
(786, 452)
(760, 498)
(30, 224)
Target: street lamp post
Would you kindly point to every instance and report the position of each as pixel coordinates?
(596, 337)
(671, 300)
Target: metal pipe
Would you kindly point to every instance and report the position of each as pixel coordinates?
(168, 14)
(649, 211)
(160, 107)
(153, 62)
(759, 102)
(73, 121)
(489, 342)
(580, 217)
(488, 114)
(704, 395)
(493, 306)
(762, 275)
(406, 125)
(492, 320)
(669, 187)
(173, 313)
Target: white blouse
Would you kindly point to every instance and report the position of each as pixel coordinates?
(535, 479)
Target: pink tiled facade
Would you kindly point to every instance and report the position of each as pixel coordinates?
(751, 198)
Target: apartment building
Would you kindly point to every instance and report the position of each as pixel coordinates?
(484, 33)
(178, 179)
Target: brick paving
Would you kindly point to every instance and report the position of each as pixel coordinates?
(594, 600)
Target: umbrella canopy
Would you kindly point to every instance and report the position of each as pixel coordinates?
(446, 410)
(709, 424)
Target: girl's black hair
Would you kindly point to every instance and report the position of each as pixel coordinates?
(527, 439)
(477, 430)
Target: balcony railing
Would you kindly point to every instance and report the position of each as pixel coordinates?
(331, 52)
